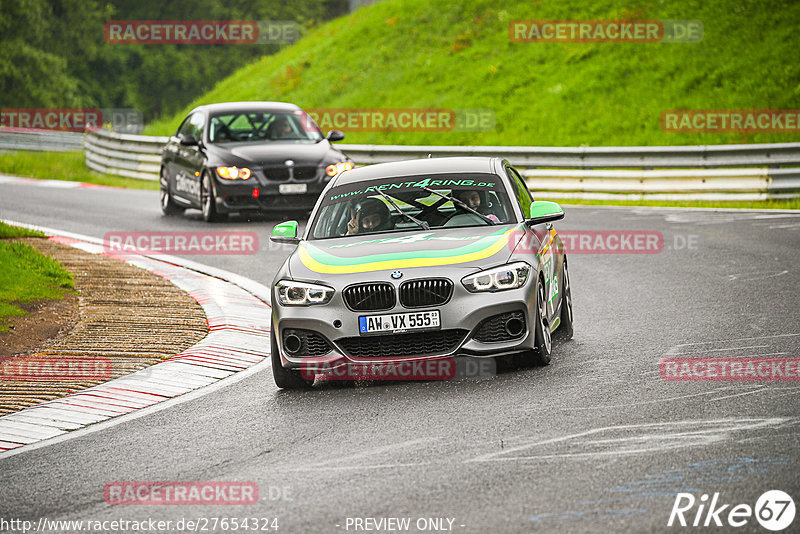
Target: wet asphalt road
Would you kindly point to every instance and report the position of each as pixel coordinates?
(596, 441)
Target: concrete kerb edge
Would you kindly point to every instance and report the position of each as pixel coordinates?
(251, 287)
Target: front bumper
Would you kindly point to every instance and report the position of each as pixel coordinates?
(464, 312)
(234, 196)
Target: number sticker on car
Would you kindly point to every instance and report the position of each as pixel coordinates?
(398, 322)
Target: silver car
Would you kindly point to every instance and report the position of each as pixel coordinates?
(415, 262)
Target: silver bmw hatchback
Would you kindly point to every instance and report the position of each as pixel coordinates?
(413, 262)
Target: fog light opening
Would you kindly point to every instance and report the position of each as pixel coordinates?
(292, 343)
(514, 327)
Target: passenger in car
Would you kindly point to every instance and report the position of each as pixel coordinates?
(280, 129)
(474, 199)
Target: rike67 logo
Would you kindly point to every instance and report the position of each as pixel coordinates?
(774, 510)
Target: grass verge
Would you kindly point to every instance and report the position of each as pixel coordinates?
(28, 275)
(69, 166)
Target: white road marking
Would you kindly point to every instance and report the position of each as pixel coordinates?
(724, 349)
(660, 400)
(755, 275)
(647, 437)
(673, 351)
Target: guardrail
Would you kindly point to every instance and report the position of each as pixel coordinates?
(45, 140)
(134, 156)
(712, 172)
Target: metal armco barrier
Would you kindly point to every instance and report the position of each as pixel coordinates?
(54, 141)
(712, 172)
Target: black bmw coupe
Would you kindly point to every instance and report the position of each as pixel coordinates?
(248, 157)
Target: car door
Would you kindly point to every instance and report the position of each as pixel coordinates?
(190, 159)
(543, 242)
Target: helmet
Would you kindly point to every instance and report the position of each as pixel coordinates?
(370, 206)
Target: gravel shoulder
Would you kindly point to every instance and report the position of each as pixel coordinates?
(128, 319)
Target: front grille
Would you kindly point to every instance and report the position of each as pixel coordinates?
(281, 174)
(311, 343)
(369, 297)
(399, 345)
(432, 292)
(493, 329)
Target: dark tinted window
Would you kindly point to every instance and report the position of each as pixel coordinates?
(520, 191)
(359, 202)
(260, 126)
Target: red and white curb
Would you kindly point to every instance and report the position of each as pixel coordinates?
(238, 338)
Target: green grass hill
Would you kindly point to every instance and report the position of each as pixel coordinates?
(458, 55)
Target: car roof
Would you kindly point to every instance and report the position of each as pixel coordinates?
(224, 107)
(418, 166)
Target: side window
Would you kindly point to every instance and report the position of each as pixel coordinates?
(198, 122)
(185, 127)
(193, 125)
(520, 191)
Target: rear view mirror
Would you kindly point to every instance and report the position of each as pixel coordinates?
(543, 211)
(334, 135)
(189, 140)
(285, 232)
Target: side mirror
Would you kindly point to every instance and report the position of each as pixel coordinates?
(543, 211)
(285, 232)
(189, 140)
(334, 135)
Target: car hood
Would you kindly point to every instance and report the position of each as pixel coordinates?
(259, 154)
(466, 249)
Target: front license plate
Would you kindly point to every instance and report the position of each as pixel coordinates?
(398, 322)
(292, 189)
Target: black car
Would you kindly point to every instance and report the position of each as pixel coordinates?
(248, 157)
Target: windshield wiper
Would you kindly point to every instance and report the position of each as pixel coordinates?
(408, 216)
(460, 204)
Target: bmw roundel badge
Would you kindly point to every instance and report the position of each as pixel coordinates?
(397, 275)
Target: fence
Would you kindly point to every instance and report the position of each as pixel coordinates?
(58, 141)
(713, 172)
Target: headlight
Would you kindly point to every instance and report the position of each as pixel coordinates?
(303, 294)
(511, 276)
(234, 173)
(336, 168)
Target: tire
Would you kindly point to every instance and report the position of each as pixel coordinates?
(168, 206)
(208, 202)
(285, 378)
(565, 330)
(540, 355)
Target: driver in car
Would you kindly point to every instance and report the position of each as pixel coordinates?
(371, 215)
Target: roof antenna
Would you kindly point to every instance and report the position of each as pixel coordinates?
(429, 155)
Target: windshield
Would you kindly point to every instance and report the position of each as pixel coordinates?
(260, 126)
(410, 203)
